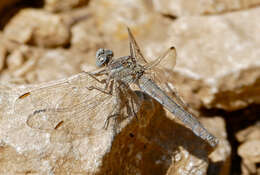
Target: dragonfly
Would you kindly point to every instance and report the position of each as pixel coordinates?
(117, 77)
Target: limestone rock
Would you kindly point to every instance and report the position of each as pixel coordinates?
(220, 49)
(57, 127)
(249, 149)
(57, 5)
(203, 62)
(220, 158)
(39, 28)
(201, 7)
(27, 64)
(3, 53)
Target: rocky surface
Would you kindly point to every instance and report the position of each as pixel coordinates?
(70, 138)
(201, 7)
(57, 6)
(217, 71)
(249, 149)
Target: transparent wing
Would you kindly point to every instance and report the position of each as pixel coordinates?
(160, 70)
(135, 50)
(66, 104)
(167, 60)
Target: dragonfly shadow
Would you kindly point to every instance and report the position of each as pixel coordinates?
(151, 147)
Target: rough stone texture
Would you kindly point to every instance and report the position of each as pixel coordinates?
(27, 64)
(233, 57)
(64, 5)
(39, 28)
(220, 158)
(217, 67)
(3, 53)
(203, 61)
(201, 7)
(75, 140)
(249, 149)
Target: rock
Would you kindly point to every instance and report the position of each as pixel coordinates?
(202, 7)
(37, 27)
(57, 5)
(75, 141)
(64, 5)
(3, 53)
(203, 62)
(26, 64)
(220, 158)
(207, 63)
(249, 149)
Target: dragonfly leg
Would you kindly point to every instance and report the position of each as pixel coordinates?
(108, 119)
(107, 89)
(94, 77)
(132, 108)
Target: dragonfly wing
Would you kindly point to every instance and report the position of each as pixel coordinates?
(135, 49)
(167, 59)
(67, 103)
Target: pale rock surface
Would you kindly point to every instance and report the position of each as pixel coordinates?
(211, 51)
(38, 27)
(201, 7)
(220, 49)
(3, 53)
(75, 140)
(249, 149)
(27, 64)
(220, 158)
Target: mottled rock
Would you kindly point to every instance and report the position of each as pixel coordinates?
(37, 27)
(60, 129)
(64, 5)
(220, 158)
(201, 7)
(220, 49)
(26, 64)
(3, 53)
(211, 51)
(249, 149)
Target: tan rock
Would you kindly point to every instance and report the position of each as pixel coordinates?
(3, 53)
(211, 51)
(201, 7)
(249, 149)
(58, 5)
(58, 127)
(221, 156)
(37, 27)
(221, 54)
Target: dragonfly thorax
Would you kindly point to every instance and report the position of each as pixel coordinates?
(103, 57)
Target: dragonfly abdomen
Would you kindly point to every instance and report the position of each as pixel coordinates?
(149, 87)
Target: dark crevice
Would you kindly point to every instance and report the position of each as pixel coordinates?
(9, 11)
(169, 16)
(235, 122)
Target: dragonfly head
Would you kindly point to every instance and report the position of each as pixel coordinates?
(103, 56)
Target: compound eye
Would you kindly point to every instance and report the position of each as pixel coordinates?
(101, 60)
(100, 52)
(109, 53)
